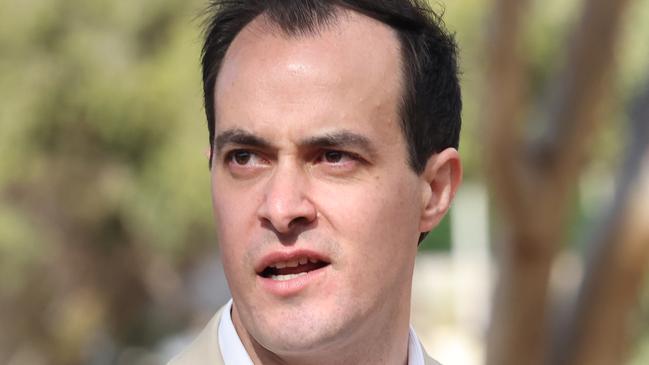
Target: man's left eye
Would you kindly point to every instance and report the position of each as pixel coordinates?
(333, 156)
(337, 158)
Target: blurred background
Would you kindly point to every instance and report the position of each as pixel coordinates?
(108, 253)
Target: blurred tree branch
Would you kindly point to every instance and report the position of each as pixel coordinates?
(503, 115)
(597, 330)
(532, 178)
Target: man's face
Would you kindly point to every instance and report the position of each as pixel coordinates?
(317, 209)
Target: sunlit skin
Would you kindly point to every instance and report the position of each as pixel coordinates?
(310, 157)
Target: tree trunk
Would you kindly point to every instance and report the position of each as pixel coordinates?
(532, 180)
(598, 330)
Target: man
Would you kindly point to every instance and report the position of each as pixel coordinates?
(333, 130)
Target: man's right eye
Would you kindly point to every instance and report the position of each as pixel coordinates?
(241, 157)
(244, 159)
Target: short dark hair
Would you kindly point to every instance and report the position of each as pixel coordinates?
(431, 106)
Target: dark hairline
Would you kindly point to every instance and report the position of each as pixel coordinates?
(418, 21)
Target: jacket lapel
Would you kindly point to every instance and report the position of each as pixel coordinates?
(205, 348)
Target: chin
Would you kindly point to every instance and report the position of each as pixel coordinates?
(301, 332)
(300, 341)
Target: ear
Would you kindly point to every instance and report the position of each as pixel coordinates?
(441, 178)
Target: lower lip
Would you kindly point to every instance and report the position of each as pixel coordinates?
(287, 288)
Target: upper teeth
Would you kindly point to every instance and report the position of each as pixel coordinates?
(293, 263)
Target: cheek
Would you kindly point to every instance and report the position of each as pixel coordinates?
(378, 240)
(232, 216)
(382, 217)
(233, 207)
(233, 239)
(379, 204)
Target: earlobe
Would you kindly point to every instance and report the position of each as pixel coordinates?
(441, 178)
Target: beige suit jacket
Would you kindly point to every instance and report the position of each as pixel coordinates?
(205, 348)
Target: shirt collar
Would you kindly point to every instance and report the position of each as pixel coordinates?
(231, 346)
(415, 352)
(234, 353)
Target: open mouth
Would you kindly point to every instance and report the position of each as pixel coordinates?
(290, 269)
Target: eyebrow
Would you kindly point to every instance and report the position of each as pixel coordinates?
(240, 137)
(339, 139)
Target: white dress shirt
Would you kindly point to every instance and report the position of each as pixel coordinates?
(235, 354)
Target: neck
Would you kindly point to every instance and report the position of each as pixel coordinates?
(374, 342)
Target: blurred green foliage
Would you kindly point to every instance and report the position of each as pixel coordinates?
(102, 171)
(104, 187)
(439, 239)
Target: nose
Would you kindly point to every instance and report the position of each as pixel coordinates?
(286, 204)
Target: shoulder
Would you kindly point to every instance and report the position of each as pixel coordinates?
(205, 348)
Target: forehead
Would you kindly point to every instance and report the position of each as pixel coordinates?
(350, 67)
(346, 37)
